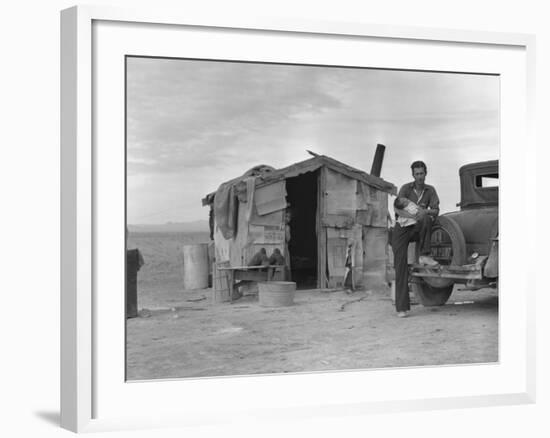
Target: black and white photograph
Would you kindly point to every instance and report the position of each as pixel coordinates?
(271, 219)
(287, 218)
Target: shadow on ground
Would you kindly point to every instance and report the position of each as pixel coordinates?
(51, 417)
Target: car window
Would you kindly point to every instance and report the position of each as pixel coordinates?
(488, 180)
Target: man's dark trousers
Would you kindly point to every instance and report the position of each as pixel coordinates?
(420, 232)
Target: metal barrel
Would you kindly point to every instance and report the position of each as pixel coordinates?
(195, 266)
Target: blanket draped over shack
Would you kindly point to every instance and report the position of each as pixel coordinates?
(226, 199)
(226, 210)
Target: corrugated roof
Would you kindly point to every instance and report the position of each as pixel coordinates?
(311, 165)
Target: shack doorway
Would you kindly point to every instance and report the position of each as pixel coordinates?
(302, 197)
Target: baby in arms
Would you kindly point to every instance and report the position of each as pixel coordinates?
(408, 206)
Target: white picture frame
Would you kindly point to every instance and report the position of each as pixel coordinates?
(85, 375)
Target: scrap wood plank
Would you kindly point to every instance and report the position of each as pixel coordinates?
(194, 300)
(270, 198)
(251, 275)
(347, 303)
(235, 268)
(336, 260)
(337, 221)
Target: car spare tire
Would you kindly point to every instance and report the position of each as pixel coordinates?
(448, 248)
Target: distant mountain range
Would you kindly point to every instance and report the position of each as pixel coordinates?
(185, 227)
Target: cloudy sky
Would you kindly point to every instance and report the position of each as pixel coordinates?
(192, 125)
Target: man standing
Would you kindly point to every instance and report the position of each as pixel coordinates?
(427, 200)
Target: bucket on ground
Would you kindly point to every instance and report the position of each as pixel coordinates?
(276, 293)
(195, 266)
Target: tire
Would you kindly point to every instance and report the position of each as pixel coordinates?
(458, 258)
(436, 291)
(431, 296)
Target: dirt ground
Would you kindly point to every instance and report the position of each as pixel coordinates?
(183, 334)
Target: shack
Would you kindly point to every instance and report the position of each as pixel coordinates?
(332, 205)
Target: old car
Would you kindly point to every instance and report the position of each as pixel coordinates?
(464, 242)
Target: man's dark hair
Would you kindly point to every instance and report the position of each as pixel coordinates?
(418, 164)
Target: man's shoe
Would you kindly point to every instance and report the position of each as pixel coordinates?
(402, 314)
(427, 260)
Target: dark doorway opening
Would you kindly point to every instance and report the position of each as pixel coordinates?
(302, 196)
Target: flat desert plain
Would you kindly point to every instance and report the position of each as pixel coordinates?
(182, 334)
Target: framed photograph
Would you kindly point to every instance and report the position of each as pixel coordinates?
(284, 218)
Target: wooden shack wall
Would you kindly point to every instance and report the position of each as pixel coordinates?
(253, 233)
(375, 239)
(372, 214)
(375, 243)
(372, 206)
(353, 212)
(350, 211)
(337, 242)
(338, 223)
(267, 231)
